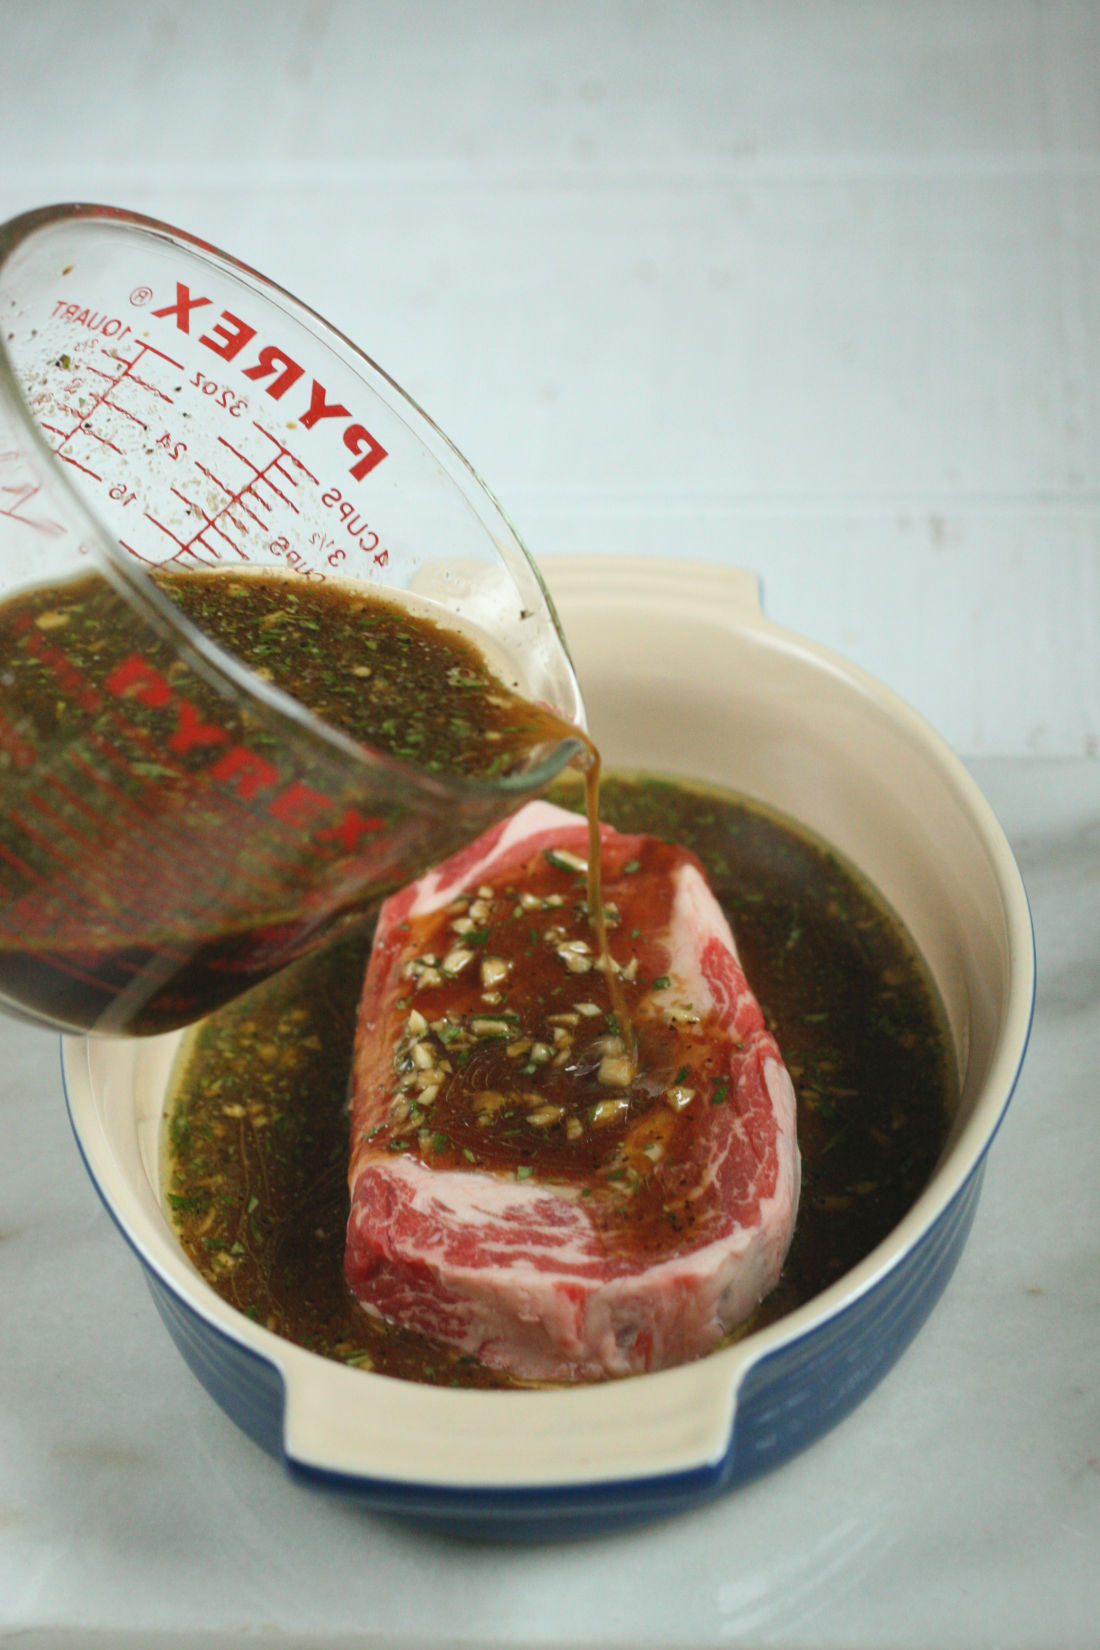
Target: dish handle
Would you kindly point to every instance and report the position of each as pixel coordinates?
(665, 1437)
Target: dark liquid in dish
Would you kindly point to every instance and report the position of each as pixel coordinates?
(257, 1139)
(164, 842)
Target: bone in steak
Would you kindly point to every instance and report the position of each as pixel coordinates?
(521, 1188)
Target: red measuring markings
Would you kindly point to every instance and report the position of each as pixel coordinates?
(244, 771)
(180, 869)
(124, 372)
(185, 865)
(253, 797)
(155, 865)
(180, 876)
(277, 477)
(245, 774)
(110, 831)
(59, 895)
(17, 496)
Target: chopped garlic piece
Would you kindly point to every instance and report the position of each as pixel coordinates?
(616, 1071)
(544, 1116)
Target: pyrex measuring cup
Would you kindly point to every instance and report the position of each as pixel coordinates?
(172, 826)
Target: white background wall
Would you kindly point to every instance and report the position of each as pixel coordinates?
(809, 286)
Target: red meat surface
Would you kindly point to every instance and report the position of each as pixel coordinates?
(524, 1187)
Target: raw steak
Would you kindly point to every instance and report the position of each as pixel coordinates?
(521, 1188)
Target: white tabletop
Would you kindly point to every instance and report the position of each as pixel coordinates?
(811, 287)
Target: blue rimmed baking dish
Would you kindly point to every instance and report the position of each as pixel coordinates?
(681, 673)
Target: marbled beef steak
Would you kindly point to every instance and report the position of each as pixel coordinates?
(552, 1192)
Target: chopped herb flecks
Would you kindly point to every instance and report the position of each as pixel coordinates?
(256, 1184)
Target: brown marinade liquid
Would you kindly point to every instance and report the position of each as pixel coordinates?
(256, 1165)
(591, 766)
(165, 842)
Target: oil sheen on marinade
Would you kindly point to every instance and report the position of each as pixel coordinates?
(96, 756)
(258, 1136)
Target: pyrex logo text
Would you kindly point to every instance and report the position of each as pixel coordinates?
(237, 766)
(229, 337)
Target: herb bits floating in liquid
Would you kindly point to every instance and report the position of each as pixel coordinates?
(169, 838)
(386, 676)
(256, 1172)
(387, 679)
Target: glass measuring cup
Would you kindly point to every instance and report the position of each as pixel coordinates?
(173, 827)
